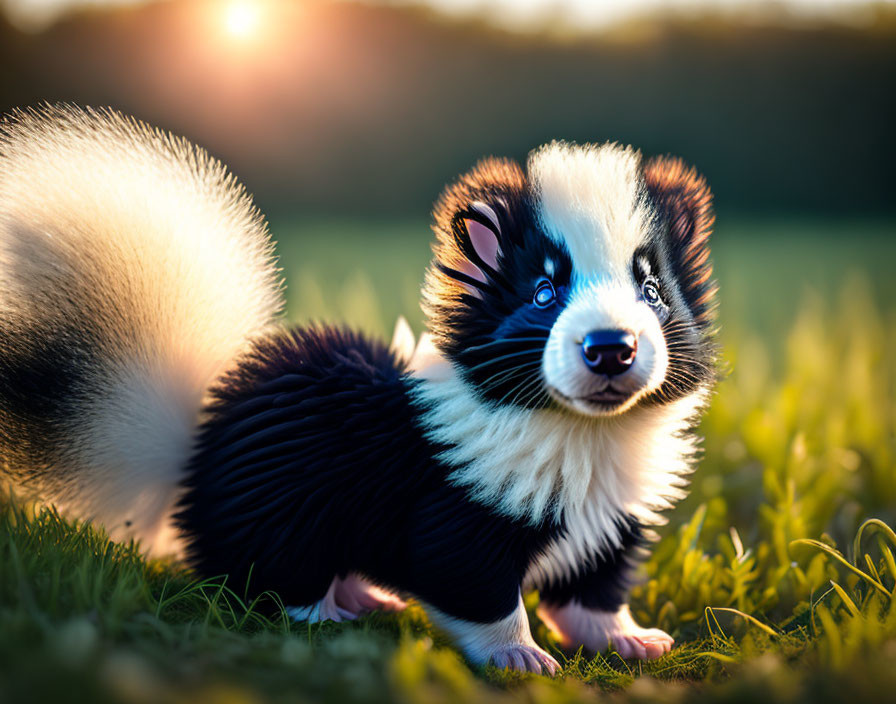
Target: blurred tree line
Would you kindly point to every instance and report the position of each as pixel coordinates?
(354, 108)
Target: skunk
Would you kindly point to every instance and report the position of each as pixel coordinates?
(528, 442)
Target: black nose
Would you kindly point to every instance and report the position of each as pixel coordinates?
(609, 352)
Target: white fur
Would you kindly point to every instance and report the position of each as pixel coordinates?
(534, 465)
(592, 199)
(640, 464)
(508, 642)
(428, 361)
(402, 345)
(106, 221)
(601, 305)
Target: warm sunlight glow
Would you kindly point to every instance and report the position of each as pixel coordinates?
(241, 19)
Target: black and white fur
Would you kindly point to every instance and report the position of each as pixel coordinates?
(140, 369)
(133, 270)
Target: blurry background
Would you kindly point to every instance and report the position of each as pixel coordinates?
(367, 108)
(346, 118)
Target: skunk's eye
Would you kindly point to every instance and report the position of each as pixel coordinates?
(544, 294)
(650, 290)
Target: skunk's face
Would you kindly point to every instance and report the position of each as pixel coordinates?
(584, 283)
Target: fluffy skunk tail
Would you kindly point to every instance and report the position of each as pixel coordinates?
(133, 270)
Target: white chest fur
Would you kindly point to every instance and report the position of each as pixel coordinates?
(540, 465)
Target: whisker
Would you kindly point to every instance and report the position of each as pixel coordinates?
(502, 358)
(528, 389)
(524, 385)
(503, 341)
(546, 328)
(512, 390)
(688, 381)
(685, 341)
(505, 376)
(689, 362)
(673, 369)
(517, 367)
(542, 401)
(679, 357)
(679, 327)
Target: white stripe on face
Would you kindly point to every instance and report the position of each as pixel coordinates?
(592, 199)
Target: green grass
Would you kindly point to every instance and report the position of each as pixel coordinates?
(800, 451)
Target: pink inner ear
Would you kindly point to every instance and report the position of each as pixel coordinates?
(487, 210)
(484, 242)
(474, 272)
(471, 270)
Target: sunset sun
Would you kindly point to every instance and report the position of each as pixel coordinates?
(242, 19)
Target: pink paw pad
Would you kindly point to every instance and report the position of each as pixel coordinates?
(647, 644)
(360, 596)
(346, 600)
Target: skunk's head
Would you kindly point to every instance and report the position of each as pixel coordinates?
(582, 283)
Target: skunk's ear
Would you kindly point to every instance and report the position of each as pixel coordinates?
(474, 226)
(684, 202)
(477, 236)
(683, 198)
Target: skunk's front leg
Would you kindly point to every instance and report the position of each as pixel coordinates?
(466, 564)
(591, 609)
(506, 642)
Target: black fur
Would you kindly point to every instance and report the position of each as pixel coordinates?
(691, 349)
(679, 251)
(44, 381)
(683, 202)
(497, 338)
(604, 582)
(311, 465)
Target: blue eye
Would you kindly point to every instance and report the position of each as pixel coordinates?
(544, 294)
(651, 292)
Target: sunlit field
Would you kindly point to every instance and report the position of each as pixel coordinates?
(776, 575)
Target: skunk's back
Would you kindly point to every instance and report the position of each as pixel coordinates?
(133, 270)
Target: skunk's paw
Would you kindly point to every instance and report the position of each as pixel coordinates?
(644, 643)
(327, 609)
(346, 600)
(506, 643)
(356, 594)
(524, 658)
(576, 625)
